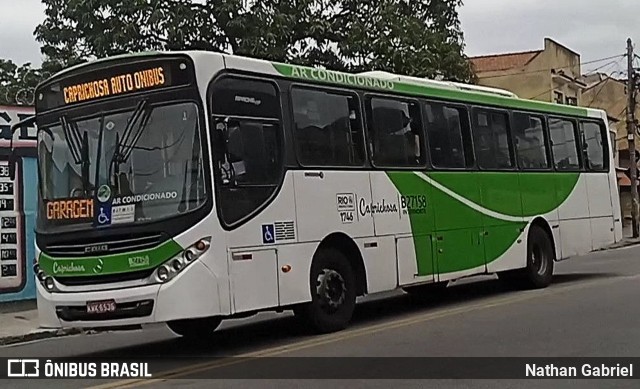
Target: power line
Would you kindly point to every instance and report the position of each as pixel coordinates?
(603, 66)
(556, 67)
(604, 83)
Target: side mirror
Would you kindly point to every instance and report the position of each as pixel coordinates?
(13, 158)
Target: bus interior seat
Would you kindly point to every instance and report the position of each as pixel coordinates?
(389, 147)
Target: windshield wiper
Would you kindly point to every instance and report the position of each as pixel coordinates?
(79, 148)
(125, 146)
(72, 137)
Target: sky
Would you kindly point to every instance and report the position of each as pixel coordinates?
(589, 27)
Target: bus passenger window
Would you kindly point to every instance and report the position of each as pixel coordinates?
(564, 145)
(530, 142)
(491, 140)
(593, 143)
(449, 136)
(328, 128)
(396, 133)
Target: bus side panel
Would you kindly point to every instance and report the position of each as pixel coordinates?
(575, 228)
(332, 201)
(501, 193)
(458, 226)
(600, 210)
(412, 225)
(293, 285)
(379, 255)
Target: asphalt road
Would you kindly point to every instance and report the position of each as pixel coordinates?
(591, 310)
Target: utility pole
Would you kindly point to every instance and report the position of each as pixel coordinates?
(631, 132)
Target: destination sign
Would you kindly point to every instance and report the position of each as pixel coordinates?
(72, 210)
(116, 85)
(100, 81)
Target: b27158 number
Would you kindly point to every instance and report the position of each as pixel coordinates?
(414, 202)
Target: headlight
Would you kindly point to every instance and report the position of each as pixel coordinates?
(49, 284)
(163, 273)
(181, 261)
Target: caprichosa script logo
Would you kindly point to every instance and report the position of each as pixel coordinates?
(62, 268)
(373, 208)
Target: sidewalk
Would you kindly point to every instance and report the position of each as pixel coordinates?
(19, 323)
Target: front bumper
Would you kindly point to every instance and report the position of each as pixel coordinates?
(192, 293)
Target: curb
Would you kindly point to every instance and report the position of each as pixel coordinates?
(39, 334)
(622, 244)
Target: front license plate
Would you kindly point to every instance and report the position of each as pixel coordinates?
(101, 306)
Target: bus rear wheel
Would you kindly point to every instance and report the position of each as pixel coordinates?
(540, 260)
(333, 292)
(195, 328)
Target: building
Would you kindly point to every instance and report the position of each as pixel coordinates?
(18, 204)
(552, 74)
(610, 94)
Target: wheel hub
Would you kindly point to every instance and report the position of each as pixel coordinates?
(331, 288)
(539, 260)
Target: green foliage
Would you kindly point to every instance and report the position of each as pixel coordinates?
(414, 37)
(17, 83)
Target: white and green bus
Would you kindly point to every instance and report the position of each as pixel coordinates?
(190, 187)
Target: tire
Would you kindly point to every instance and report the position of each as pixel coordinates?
(333, 292)
(540, 260)
(195, 328)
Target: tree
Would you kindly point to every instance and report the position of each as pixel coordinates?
(421, 38)
(418, 38)
(17, 83)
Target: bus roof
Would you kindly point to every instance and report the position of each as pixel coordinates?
(463, 93)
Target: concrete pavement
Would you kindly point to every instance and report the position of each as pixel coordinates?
(19, 321)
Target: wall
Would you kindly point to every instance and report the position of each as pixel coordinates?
(17, 208)
(535, 80)
(529, 82)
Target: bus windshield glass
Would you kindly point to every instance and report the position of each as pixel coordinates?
(131, 166)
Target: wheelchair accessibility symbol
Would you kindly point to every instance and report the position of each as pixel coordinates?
(104, 215)
(268, 234)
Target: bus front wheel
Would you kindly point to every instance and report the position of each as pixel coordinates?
(333, 292)
(194, 328)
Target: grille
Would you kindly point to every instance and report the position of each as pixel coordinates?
(104, 279)
(117, 244)
(285, 230)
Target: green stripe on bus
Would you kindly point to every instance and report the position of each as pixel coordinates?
(358, 81)
(109, 264)
(513, 195)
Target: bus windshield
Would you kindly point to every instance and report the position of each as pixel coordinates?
(138, 165)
